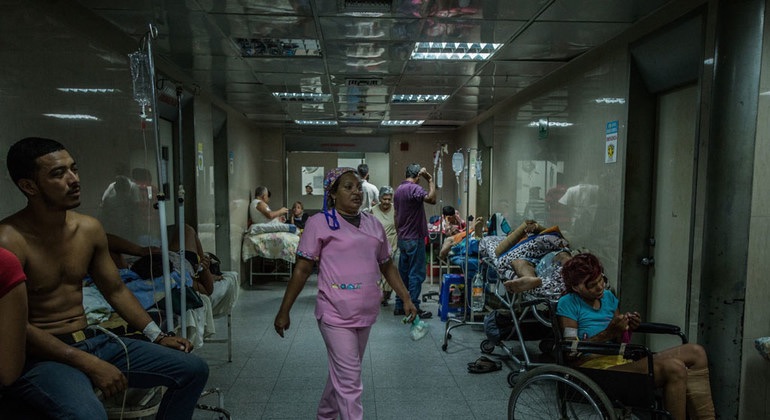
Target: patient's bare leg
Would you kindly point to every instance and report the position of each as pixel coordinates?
(446, 247)
(526, 278)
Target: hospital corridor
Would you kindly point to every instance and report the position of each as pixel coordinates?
(275, 378)
(385, 209)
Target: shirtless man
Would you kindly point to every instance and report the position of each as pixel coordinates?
(57, 247)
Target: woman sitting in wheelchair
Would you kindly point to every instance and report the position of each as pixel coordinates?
(589, 312)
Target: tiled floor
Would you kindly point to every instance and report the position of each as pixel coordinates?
(282, 378)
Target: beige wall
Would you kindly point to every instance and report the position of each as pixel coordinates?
(205, 194)
(421, 149)
(245, 142)
(755, 371)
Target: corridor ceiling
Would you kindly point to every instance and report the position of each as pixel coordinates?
(357, 54)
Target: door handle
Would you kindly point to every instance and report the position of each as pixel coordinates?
(648, 261)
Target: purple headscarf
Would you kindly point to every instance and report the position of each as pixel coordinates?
(329, 180)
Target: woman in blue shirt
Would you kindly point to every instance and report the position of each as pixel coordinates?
(589, 312)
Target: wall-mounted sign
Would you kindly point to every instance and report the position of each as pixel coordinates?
(611, 142)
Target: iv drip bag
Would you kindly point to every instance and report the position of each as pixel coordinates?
(440, 177)
(478, 170)
(458, 162)
(140, 76)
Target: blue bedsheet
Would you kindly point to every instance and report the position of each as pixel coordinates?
(147, 291)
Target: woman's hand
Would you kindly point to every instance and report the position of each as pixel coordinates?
(410, 310)
(618, 326)
(281, 323)
(634, 320)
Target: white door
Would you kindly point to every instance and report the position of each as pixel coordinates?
(670, 296)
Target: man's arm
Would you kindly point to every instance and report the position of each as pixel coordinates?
(262, 208)
(109, 283)
(431, 197)
(124, 246)
(104, 375)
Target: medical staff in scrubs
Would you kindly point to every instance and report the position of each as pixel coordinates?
(351, 250)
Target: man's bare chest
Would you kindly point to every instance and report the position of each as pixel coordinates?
(51, 265)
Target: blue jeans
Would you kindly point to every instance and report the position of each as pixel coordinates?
(411, 266)
(65, 392)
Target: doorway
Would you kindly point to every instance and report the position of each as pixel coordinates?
(670, 246)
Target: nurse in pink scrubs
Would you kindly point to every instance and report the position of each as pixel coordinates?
(351, 250)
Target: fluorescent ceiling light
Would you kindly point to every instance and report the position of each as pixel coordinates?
(73, 117)
(416, 99)
(302, 97)
(278, 47)
(364, 14)
(315, 122)
(87, 90)
(477, 51)
(550, 123)
(402, 123)
(365, 63)
(364, 30)
(610, 100)
(359, 130)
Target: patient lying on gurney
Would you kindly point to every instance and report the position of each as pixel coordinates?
(451, 241)
(537, 266)
(218, 292)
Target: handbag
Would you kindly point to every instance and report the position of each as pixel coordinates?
(193, 299)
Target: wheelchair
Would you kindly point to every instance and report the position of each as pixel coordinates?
(559, 391)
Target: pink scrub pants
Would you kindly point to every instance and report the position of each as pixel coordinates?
(342, 395)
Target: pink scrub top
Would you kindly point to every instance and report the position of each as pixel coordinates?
(348, 268)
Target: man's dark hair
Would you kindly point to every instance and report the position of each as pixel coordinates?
(448, 211)
(259, 191)
(413, 170)
(21, 156)
(363, 170)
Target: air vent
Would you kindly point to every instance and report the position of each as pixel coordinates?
(376, 6)
(303, 97)
(364, 82)
(277, 47)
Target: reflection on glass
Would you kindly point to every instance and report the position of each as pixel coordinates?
(582, 201)
(539, 188)
(126, 207)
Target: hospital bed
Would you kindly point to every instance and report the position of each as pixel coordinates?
(264, 242)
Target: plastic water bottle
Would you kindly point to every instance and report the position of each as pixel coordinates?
(477, 293)
(418, 329)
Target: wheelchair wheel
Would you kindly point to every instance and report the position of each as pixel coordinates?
(558, 392)
(542, 314)
(487, 347)
(546, 346)
(512, 378)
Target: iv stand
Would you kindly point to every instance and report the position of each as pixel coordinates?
(468, 315)
(161, 196)
(181, 223)
(439, 184)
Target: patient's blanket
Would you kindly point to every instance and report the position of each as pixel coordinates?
(200, 323)
(258, 228)
(147, 291)
(280, 243)
(457, 255)
(537, 249)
